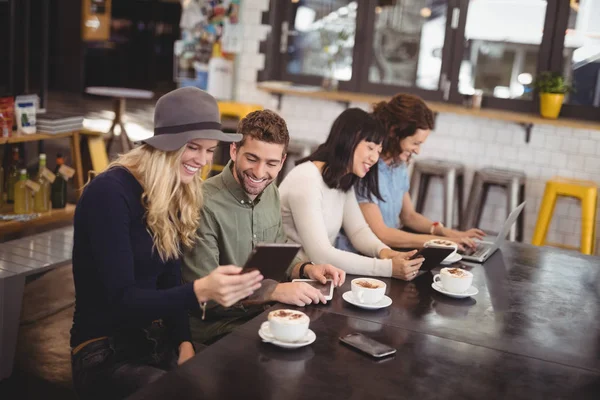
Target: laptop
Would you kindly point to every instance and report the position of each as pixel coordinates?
(485, 249)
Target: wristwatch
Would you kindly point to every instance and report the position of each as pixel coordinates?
(301, 272)
(434, 226)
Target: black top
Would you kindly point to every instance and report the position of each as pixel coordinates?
(120, 280)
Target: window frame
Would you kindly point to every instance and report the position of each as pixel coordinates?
(366, 86)
(549, 58)
(543, 64)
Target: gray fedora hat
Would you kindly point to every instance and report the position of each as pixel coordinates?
(186, 114)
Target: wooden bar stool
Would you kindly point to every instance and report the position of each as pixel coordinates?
(236, 110)
(587, 193)
(512, 181)
(451, 173)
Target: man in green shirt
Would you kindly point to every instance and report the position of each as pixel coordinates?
(241, 208)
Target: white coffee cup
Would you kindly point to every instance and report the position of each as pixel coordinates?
(454, 280)
(288, 325)
(443, 243)
(367, 290)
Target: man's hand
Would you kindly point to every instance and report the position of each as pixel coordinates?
(297, 293)
(322, 272)
(186, 351)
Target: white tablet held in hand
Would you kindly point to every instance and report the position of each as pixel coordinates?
(326, 289)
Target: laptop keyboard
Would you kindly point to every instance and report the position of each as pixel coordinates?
(476, 252)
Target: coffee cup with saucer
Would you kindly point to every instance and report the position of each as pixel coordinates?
(367, 293)
(454, 282)
(287, 329)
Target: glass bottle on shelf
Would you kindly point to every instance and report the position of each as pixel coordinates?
(13, 176)
(41, 202)
(23, 198)
(59, 186)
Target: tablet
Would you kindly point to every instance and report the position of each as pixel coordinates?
(271, 259)
(433, 256)
(326, 289)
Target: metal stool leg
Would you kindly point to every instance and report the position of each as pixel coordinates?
(423, 188)
(449, 186)
(415, 185)
(481, 203)
(460, 187)
(521, 220)
(471, 211)
(512, 201)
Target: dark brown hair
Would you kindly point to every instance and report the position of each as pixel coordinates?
(401, 117)
(350, 128)
(266, 126)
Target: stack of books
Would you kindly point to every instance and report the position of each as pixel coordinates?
(59, 122)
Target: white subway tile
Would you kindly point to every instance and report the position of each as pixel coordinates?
(570, 144)
(575, 163)
(587, 146)
(553, 142)
(592, 164)
(541, 157)
(580, 134)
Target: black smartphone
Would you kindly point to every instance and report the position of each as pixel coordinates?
(367, 345)
(433, 256)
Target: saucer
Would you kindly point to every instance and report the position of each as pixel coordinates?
(265, 334)
(384, 302)
(472, 291)
(452, 259)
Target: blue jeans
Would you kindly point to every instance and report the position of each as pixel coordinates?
(115, 367)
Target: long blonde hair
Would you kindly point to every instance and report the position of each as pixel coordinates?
(172, 207)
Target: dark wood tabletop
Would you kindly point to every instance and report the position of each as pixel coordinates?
(532, 332)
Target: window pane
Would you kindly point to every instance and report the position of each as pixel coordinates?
(408, 42)
(582, 52)
(321, 38)
(502, 39)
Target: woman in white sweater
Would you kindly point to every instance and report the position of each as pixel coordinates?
(318, 199)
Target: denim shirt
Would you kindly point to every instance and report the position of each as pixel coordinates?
(393, 184)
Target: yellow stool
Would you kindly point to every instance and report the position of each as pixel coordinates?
(587, 192)
(237, 110)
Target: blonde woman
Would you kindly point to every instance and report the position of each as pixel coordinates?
(131, 225)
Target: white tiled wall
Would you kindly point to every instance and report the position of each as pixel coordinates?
(476, 142)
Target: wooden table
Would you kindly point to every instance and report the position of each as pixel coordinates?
(532, 332)
(19, 259)
(119, 95)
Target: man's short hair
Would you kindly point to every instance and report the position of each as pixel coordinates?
(266, 126)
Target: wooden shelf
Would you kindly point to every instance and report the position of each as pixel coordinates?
(50, 217)
(525, 120)
(34, 137)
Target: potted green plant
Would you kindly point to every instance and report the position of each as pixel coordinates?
(552, 88)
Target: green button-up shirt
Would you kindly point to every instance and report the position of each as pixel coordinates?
(231, 225)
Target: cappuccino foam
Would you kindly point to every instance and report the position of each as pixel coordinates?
(288, 317)
(368, 285)
(443, 243)
(456, 272)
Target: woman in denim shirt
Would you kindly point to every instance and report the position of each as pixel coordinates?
(408, 122)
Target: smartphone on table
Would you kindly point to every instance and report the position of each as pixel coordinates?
(367, 345)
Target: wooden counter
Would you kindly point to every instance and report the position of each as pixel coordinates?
(524, 119)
